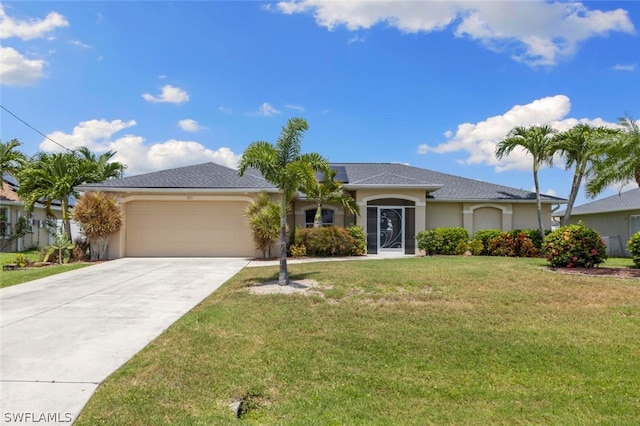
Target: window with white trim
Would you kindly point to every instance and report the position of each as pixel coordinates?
(634, 224)
(328, 217)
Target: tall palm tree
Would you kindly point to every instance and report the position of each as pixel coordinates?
(287, 168)
(620, 159)
(11, 159)
(328, 190)
(581, 146)
(103, 167)
(48, 178)
(537, 141)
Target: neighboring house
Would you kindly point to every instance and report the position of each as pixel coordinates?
(12, 210)
(616, 218)
(198, 210)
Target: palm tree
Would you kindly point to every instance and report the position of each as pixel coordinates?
(103, 167)
(263, 215)
(581, 146)
(620, 159)
(284, 166)
(48, 178)
(328, 190)
(537, 141)
(11, 160)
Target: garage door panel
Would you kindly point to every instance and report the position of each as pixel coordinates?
(190, 228)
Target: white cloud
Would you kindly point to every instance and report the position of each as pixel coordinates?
(625, 67)
(479, 140)
(17, 70)
(169, 94)
(266, 110)
(29, 29)
(356, 39)
(552, 192)
(81, 44)
(299, 108)
(226, 110)
(100, 136)
(534, 32)
(189, 125)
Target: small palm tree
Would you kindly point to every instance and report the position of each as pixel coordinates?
(11, 160)
(328, 190)
(537, 141)
(263, 215)
(99, 217)
(287, 168)
(581, 146)
(619, 162)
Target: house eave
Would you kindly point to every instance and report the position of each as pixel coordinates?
(627, 209)
(492, 200)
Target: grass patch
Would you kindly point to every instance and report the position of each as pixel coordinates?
(9, 278)
(440, 340)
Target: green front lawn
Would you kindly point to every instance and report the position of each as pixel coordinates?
(9, 278)
(440, 340)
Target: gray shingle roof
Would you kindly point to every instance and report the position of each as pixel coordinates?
(453, 187)
(628, 200)
(201, 176)
(215, 176)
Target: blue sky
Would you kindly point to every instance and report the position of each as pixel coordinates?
(430, 84)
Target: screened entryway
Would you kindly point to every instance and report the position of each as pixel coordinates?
(391, 226)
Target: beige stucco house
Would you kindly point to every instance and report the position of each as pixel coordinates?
(12, 210)
(616, 218)
(198, 210)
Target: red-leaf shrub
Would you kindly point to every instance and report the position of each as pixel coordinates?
(574, 245)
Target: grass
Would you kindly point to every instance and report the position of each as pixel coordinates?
(10, 278)
(441, 340)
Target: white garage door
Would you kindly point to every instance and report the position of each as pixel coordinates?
(187, 228)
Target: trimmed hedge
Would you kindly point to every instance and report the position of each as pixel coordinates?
(441, 240)
(485, 236)
(330, 241)
(509, 245)
(633, 245)
(575, 245)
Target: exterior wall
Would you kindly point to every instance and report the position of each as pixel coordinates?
(40, 235)
(614, 228)
(443, 215)
(476, 216)
(301, 207)
(525, 216)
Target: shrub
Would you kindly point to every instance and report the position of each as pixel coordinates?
(441, 240)
(485, 236)
(574, 245)
(462, 247)
(297, 250)
(359, 240)
(327, 241)
(21, 260)
(429, 241)
(476, 247)
(263, 215)
(634, 247)
(533, 234)
(507, 244)
(99, 217)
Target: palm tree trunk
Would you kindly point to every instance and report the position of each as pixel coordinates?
(317, 220)
(575, 187)
(283, 276)
(538, 201)
(65, 219)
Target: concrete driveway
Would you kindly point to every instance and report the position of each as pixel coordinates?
(62, 336)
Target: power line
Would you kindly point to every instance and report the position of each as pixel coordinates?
(33, 128)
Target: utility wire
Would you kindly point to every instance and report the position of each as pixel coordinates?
(33, 128)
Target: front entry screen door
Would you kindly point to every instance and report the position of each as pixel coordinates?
(391, 222)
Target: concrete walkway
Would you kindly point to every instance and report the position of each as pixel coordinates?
(62, 336)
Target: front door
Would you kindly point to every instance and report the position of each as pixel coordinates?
(391, 229)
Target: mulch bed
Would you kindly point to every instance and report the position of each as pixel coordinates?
(601, 272)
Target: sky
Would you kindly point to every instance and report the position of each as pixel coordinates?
(432, 84)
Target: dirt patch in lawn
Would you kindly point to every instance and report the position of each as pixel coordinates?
(305, 286)
(601, 272)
